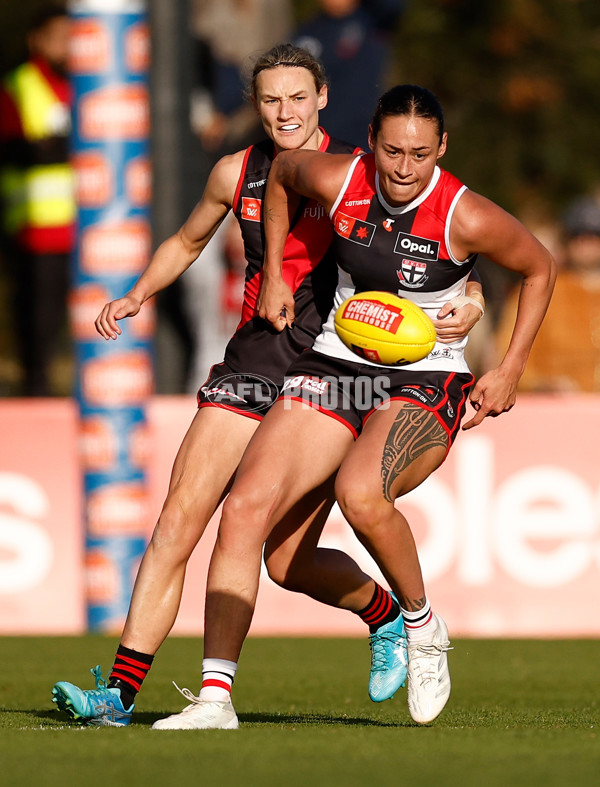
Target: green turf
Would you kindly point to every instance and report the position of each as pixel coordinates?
(521, 713)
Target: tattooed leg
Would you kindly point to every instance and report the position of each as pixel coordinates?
(413, 432)
(413, 605)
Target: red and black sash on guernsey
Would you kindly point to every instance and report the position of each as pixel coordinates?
(395, 249)
(308, 268)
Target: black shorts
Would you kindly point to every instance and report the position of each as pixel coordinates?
(247, 394)
(351, 392)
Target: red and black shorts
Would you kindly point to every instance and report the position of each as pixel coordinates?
(247, 394)
(351, 392)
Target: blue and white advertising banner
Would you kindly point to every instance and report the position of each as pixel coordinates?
(109, 60)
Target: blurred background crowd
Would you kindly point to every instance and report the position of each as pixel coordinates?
(518, 80)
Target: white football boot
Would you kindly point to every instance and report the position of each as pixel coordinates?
(200, 715)
(428, 675)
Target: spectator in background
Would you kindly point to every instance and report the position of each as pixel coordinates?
(353, 41)
(566, 353)
(228, 33)
(36, 182)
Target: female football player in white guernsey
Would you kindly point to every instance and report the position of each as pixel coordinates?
(405, 226)
(288, 89)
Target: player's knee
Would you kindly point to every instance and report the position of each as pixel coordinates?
(361, 505)
(243, 521)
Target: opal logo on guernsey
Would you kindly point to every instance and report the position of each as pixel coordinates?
(416, 247)
(247, 392)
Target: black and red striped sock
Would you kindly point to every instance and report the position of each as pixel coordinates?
(382, 609)
(128, 673)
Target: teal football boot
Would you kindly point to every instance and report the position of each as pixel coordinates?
(389, 660)
(100, 707)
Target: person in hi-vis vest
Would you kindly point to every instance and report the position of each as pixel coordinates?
(37, 188)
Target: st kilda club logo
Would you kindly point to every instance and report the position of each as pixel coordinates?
(418, 251)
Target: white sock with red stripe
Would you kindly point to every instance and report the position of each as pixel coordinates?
(217, 679)
(420, 625)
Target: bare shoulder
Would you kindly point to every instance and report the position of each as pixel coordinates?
(474, 212)
(481, 226)
(223, 179)
(216, 201)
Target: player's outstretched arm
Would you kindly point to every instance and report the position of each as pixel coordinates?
(296, 172)
(480, 226)
(177, 253)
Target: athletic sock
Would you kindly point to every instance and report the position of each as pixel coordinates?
(128, 673)
(381, 609)
(217, 679)
(420, 625)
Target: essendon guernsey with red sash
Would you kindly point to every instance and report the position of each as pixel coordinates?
(401, 249)
(308, 268)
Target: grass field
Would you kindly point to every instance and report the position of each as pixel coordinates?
(521, 713)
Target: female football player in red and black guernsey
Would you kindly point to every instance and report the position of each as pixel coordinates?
(288, 89)
(405, 226)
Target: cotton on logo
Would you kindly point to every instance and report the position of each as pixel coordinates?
(89, 47)
(115, 112)
(123, 247)
(85, 304)
(94, 179)
(26, 549)
(137, 48)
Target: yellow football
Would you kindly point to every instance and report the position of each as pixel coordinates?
(384, 328)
